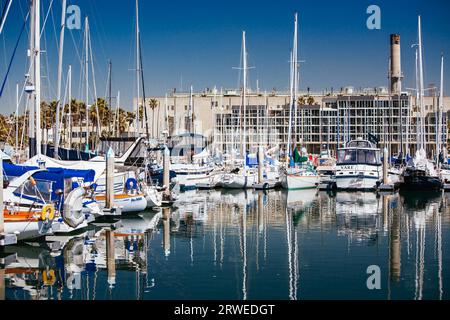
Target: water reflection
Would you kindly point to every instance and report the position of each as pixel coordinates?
(246, 245)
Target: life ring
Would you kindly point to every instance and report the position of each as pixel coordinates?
(49, 277)
(131, 184)
(48, 212)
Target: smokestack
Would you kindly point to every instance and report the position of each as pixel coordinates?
(395, 67)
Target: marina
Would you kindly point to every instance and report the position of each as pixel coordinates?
(248, 245)
(220, 194)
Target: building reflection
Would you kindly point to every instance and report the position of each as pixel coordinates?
(245, 230)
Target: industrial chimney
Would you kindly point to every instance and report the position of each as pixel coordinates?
(395, 67)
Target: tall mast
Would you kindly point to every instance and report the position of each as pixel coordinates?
(191, 111)
(421, 89)
(418, 116)
(37, 72)
(110, 91)
(293, 86)
(291, 104)
(56, 131)
(244, 96)
(441, 107)
(296, 74)
(86, 74)
(31, 82)
(17, 119)
(69, 76)
(138, 78)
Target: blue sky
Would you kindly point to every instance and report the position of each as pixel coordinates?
(199, 42)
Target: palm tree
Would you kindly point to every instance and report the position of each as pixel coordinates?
(153, 104)
(310, 100)
(301, 101)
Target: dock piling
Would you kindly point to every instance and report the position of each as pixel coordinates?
(166, 174)
(110, 179)
(385, 185)
(166, 223)
(110, 257)
(260, 165)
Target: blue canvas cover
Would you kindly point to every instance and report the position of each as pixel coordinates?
(55, 175)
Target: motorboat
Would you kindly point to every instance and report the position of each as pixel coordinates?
(359, 166)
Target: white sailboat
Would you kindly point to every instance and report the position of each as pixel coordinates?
(243, 177)
(420, 173)
(305, 177)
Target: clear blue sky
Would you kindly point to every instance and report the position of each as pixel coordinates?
(200, 41)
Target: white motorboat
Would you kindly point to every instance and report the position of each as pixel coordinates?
(359, 166)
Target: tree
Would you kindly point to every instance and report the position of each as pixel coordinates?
(153, 105)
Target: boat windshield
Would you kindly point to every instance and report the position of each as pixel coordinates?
(39, 189)
(354, 156)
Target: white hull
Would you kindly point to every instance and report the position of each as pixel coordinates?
(239, 181)
(358, 177)
(27, 230)
(128, 204)
(299, 181)
(153, 197)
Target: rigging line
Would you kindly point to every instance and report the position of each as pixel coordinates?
(80, 60)
(54, 29)
(47, 70)
(95, 88)
(46, 17)
(12, 58)
(143, 89)
(4, 14)
(101, 31)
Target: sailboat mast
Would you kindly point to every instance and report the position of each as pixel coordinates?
(109, 91)
(418, 117)
(86, 73)
(31, 82)
(421, 89)
(138, 77)
(37, 72)
(441, 107)
(191, 113)
(17, 120)
(295, 73)
(56, 132)
(291, 88)
(244, 96)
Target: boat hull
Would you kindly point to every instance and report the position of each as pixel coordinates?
(238, 181)
(299, 181)
(127, 203)
(358, 177)
(413, 182)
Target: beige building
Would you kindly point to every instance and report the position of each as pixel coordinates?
(322, 120)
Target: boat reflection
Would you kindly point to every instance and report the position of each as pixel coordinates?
(246, 245)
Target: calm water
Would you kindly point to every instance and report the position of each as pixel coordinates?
(249, 245)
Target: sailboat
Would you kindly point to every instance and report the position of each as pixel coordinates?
(242, 177)
(304, 176)
(420, 173)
